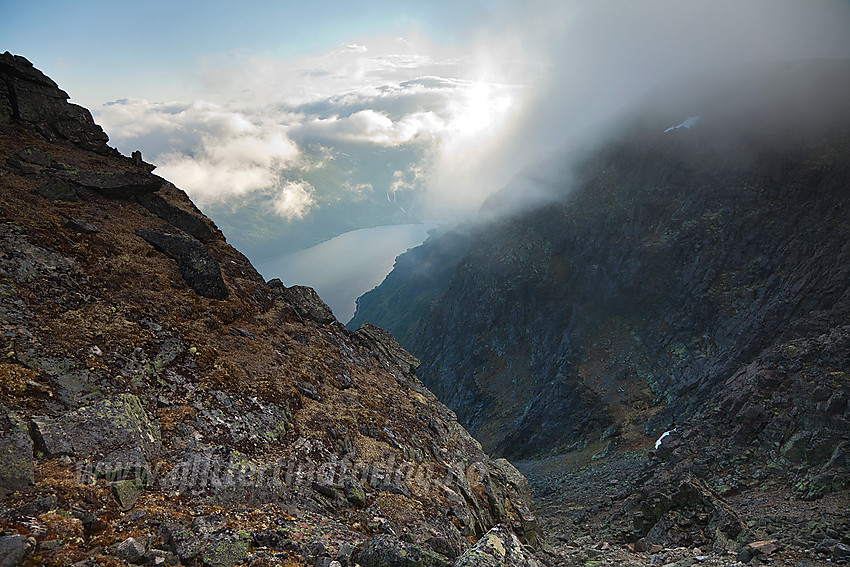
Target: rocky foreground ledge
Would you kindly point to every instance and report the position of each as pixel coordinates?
(161, 404)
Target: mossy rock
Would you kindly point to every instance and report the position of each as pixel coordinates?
(226, 552)
(126, 493)
(388, 551)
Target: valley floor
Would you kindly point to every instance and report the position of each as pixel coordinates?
(580, 506)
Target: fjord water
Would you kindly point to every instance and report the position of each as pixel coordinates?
(344, 268)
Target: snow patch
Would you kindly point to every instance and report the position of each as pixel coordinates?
(689, 121)
(663, 435)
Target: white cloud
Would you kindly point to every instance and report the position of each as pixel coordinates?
(294, 200)
(525, 82)
(210, 151)
(385, 94)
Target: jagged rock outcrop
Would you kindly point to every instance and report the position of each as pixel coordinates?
(29, 96)
(180, 408)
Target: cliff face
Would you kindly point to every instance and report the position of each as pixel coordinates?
(160, 402)
(696, 276)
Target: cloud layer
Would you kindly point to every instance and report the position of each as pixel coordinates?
(529, 79)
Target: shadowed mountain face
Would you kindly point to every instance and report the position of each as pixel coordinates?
(694, 275)
(161, 403)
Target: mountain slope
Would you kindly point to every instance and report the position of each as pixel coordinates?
(161, 403)
(663, 281)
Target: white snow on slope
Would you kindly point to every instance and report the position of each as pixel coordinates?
(663, 435)
(690, 121)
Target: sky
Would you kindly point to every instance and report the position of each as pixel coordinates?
(225, 97)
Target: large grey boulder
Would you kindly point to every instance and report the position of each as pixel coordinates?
(116, 431)
(13, 550)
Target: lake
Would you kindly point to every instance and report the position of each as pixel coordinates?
(344, 268)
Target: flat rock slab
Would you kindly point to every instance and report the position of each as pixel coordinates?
(125, 184)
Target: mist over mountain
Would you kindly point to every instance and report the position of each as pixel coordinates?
(688, 272)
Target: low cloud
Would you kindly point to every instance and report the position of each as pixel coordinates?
(529, 80)
(211, 151)
(294, 200)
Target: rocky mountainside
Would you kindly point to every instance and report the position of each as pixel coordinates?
(161, 404)
(688, 273)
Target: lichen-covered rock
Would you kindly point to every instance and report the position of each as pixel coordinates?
(14, 550)
(388, 551)
(354, 492)
(498, 548)
(117, 432)
(16, 460)
(230, 548)
(126, 493)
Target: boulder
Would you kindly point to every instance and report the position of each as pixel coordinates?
(229, 549)
(116, 431)
(199, 269)
(13, 550)
(131, 550)
(123, 184)
(354, 492)
(16, 459)
(388, 551)
(57, 190)
(498, 548)
(126, 493)
(304, 300)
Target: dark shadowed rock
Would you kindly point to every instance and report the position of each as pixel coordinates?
(189, 223)
(30, 97)
(57, 190)
(80, 226)
(34, 156)
(200, 271)
(124, 184)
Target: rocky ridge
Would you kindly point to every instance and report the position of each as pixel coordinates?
(161, 404)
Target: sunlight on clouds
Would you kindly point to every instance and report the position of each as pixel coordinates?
(388, 92)
(294, 200)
